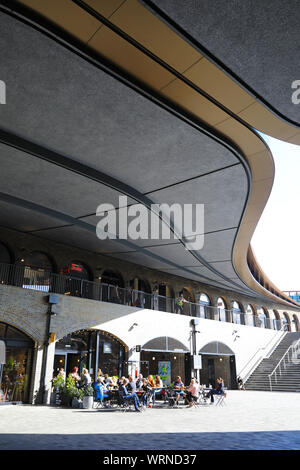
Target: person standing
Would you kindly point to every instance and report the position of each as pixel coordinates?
(179, 303)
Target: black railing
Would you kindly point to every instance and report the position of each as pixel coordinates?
(44, 281)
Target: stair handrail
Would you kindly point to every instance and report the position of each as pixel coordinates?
(280, 338)
(295, 347)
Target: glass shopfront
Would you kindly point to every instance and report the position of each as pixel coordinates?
(91, 349)
(16, 372)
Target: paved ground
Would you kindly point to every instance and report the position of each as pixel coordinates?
(251, 420)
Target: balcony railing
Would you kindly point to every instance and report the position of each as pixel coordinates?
(43, 281)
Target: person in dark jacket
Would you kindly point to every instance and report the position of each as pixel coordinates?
(127, 396)
(219, 390)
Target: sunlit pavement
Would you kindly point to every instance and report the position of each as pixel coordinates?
(250, 420)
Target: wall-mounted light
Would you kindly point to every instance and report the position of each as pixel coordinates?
(153, 358)
(175, 357)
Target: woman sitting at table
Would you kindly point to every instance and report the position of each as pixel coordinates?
(150, 381)
(192, 392)
(219, 390)
(179, 387)
(158, 387)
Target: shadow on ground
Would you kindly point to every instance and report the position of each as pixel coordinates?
(273, 440)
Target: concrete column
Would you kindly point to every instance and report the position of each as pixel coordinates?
(49, 373)
(36, 374)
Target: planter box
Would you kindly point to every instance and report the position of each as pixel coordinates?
(76, 403)
(88, 402)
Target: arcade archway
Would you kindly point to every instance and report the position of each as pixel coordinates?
(218, 360)
(16, 371)
(93, 350)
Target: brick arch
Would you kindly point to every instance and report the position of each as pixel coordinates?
(286, 316)
(226, 302)
(297, 322)
(23, 327)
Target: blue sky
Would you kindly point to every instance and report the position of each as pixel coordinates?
(276, 241)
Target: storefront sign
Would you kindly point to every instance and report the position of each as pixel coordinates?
(107, 348)
(164, 371)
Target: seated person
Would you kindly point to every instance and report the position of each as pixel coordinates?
(131, 387)
(146, 389)
(151, 381)
(108, 380)
(179, 387)
(192, 392)
(139, 381)
(158, 387)
(219, 390)
(127, 396)
(101, 392)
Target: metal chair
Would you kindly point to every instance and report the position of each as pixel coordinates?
(203, 399)
(125, 404)
(220, 400)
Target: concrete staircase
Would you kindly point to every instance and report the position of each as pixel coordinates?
(289, 381)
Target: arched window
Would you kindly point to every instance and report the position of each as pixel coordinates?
(205, 303)
(5, 256)
(5, 261)
(79, 271)
(286, 322)
(16, 371)
(77, 281)
(237, 313)
(112, 277)
(221, 309)
(276, 320)
(262, 318)
(37, 270)
(295, 323)
(250, 316)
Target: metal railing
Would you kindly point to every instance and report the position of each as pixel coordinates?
(262, 355)
(44, 281)
(289, 356)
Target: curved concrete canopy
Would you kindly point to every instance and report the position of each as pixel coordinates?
(256, 42)
(85, 121)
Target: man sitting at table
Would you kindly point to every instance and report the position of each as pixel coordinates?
(128, 396)
(179, 387)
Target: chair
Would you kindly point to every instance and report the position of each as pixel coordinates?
(125, 404)
(220, 400)
(203, 399)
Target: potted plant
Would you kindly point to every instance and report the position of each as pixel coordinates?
(88, 397)
(68, 390)
(77, 396)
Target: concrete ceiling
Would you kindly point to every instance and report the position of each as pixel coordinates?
(63, 104)
(256, 42)
(76, 136)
